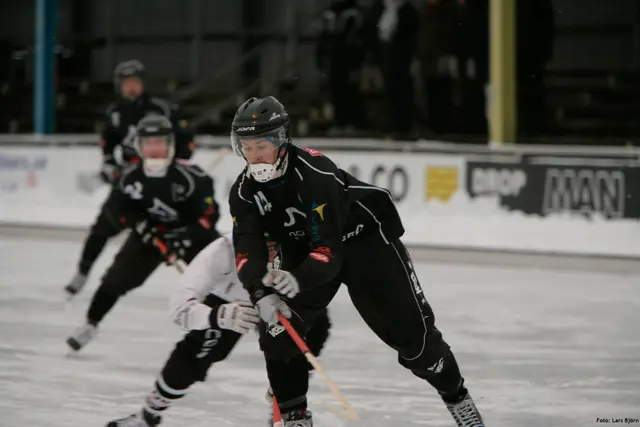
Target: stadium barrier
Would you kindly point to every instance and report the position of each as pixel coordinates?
(581, 200)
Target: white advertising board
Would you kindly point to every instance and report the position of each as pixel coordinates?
(57, 187)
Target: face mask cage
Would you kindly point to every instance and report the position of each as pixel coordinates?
(278, 137)
(156, 166)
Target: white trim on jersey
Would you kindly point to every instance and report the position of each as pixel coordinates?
(244, 175)
(359, 187)
(185, 172)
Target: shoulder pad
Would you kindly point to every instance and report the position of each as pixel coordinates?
(190, 167)
(241, 188)
(111, 108)
(129, 171)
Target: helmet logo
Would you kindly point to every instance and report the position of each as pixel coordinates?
(246, 128)
(274, 116)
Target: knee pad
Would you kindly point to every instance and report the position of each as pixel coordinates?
(319, 332)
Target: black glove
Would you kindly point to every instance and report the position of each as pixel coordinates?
(110, 172)
(172, 243)
(178, 241)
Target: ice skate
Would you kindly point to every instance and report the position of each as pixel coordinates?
(82, 336)
(75, 285)
(465, 413)
(140, 419)
(297, 419)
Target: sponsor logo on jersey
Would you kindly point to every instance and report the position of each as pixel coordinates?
(324, 250)
(319, 209)
(353, 233)
(319, 257)
(209, 207)
(314, 153)
(241, 260)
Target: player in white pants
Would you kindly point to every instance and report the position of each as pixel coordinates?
(212, 307)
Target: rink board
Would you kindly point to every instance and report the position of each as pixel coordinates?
(442, 202)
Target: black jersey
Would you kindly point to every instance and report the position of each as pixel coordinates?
(122, 118)
(312, 211)
(184, 197)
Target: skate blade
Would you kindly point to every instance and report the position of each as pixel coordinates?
(70, 352)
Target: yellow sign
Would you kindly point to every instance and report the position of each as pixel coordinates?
(442, 182)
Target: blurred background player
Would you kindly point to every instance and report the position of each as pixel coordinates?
(213, 308)
(118, 150)
(333, 229)
(161, 199)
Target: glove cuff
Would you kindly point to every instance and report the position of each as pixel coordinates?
(213, 315)
(260, 291)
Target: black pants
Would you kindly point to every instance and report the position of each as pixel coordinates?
(192, 357)
(131, 267)
(104, 228)
(385, 290)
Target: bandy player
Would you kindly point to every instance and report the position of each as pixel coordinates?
(213, 308)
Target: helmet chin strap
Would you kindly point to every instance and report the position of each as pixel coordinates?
(155, 168)
(264, 172)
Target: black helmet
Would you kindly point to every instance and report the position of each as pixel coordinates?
(262, 117)
(125, 69)
(155, 125)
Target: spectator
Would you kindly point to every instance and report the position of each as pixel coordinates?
(439, 52)
(397, 33)
(340, 56)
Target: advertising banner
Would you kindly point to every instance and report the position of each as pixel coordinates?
(49, 184)
(545, 186)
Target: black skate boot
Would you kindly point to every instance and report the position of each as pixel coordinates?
(140, 419)
(465, 413)
(299, 418)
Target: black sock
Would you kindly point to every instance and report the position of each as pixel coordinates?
(290, 382)
(449, 381)
(102, 302)
(93, 247)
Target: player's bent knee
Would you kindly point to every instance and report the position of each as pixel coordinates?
(115, 285)
(105, 228)
(423, 355)
(194, 355)
(319, 332)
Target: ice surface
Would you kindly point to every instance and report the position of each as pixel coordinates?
(538, 348)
